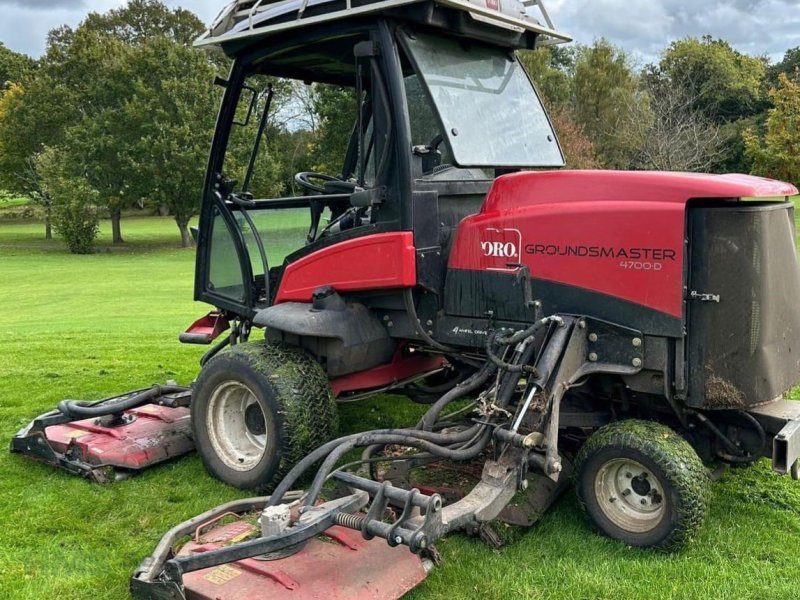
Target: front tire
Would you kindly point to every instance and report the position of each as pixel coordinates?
(641, 483)
(257, 409)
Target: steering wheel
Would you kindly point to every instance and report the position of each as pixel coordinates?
(303, 180)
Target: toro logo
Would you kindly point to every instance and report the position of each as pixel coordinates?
(500, 247)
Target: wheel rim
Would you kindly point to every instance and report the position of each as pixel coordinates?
(236, 426)
(630, 495)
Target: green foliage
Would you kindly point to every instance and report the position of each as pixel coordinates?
(550, 68)
(790, 65)
(74, 201)
(336, 111)
(776, 153)
(724, 83)
(605, 94)
(13, 66)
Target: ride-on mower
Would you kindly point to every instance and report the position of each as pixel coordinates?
(617, 329)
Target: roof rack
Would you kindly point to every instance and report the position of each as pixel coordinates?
(246, 19)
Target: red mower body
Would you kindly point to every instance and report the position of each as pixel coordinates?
(596, 239)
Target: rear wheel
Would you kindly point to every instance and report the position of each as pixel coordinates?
(643, 484)
(257, 409)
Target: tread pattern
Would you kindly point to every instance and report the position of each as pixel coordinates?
(675, 457)
(308, 413)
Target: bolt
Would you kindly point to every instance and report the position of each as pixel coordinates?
(430, 332)
(612, 499)
(398, 540)
(428, 322)
(626, 492)
(593, 356)
(581, 324)
(637, 362)
(390, 323)
(592, 337)
(643, 501)
(385, 317)
(636, 342)
(524, 484)
(628, 474)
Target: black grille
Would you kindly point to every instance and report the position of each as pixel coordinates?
(744, 349)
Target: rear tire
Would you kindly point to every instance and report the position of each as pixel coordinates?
(257, 409)
(641, 483)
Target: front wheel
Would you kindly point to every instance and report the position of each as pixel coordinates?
(257, 409)
(643, 484)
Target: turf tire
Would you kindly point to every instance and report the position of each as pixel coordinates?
(292, 390)
(680, 479)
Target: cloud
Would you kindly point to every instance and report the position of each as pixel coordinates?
(642, 27)
(645, 28)
(45, 4)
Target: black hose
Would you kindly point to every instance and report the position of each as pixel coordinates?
(408, 300)
(111, 406)
(371, 438)
(459, 391)
(498, 338)
(428, 437)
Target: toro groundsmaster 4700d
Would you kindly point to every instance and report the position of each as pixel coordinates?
(616, 329)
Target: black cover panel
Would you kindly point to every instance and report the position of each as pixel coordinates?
(475, 293)
(745, 348)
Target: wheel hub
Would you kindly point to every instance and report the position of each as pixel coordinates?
(236, 426)
(629, 495)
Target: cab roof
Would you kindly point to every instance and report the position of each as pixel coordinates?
(243, 23)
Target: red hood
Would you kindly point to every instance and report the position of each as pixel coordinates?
(551, 187)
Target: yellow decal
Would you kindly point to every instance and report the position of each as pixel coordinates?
(222, 574)
(76, 433)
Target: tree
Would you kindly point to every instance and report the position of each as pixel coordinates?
(605, 91)
(170, 115)
(724, 83)
(577, 147)
(13, 66)
(550, 68)
(75, 215)
(776, 153)
(670, 134)
(790, 65)
(335, 110)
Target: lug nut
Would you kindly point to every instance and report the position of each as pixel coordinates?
(628, 474)
(626, 492)
(643, 501)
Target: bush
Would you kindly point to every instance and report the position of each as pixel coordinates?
(74, 202)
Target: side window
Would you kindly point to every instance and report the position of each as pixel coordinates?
(224, 271)
(426, 129)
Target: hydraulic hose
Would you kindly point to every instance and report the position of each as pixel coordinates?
(79, 409)
(433, 439)
(369, 439)
(459, 391)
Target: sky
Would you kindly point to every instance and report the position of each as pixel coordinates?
(642, 27)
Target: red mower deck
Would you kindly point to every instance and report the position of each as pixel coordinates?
(341, 565)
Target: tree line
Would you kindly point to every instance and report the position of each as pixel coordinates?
(119, 112)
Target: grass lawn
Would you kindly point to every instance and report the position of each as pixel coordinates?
(90, 326)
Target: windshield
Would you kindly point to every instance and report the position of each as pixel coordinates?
(491, 114)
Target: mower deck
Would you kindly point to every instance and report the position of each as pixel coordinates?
(340, 564)
(113, 446)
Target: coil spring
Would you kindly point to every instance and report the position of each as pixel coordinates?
(349, 521)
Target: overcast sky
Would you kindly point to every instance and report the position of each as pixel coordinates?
(643, 27)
